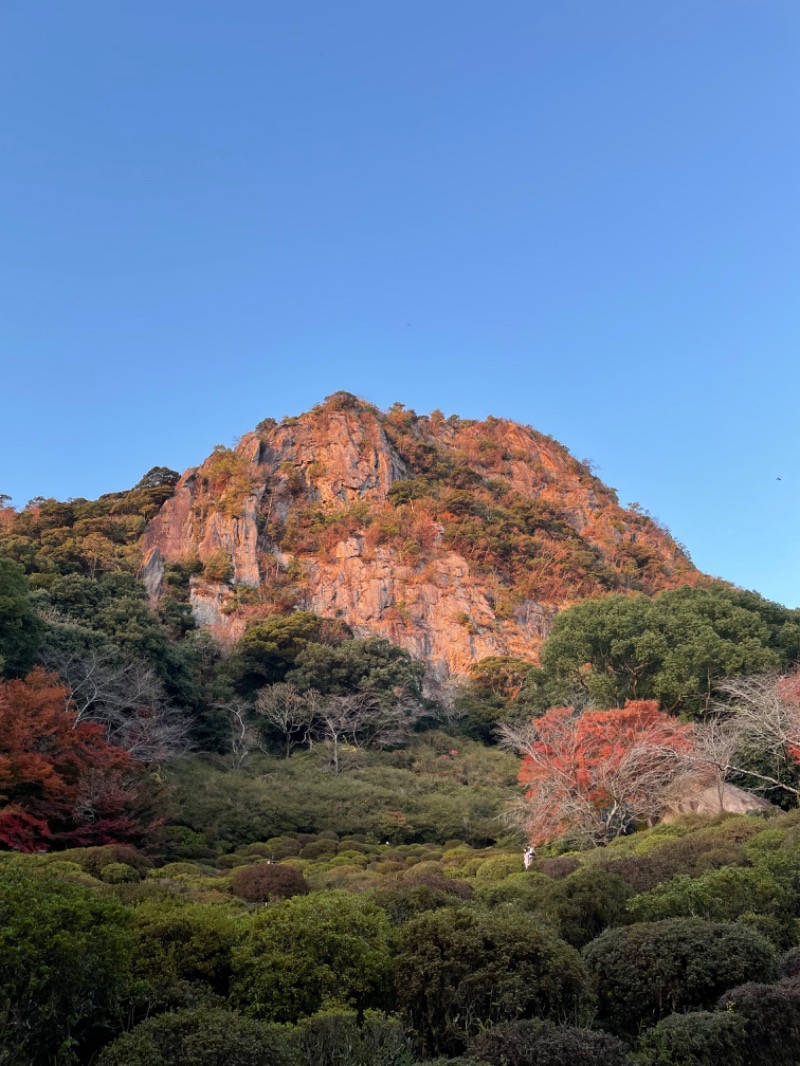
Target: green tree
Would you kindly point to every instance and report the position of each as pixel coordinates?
(20, 627)
(269, 649)
(674, 647)
(373, 665)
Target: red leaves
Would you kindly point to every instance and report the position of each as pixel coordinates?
(61, 783)
(597, 772)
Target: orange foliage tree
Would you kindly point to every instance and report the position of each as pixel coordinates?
(61, 784)
(591, 776)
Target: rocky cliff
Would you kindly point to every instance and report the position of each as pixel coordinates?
(455, 539)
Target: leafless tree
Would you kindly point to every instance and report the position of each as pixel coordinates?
(712, 760)
(756, 723)
(363, 720)
(288, 712)
(126, 697)
(242, 736)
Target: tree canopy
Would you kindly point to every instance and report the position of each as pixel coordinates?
(674, 647)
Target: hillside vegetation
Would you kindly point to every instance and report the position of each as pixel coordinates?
(241, 826)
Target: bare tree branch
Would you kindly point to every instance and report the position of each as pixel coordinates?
(126, 698)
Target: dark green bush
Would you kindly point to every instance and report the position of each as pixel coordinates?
(700, 1038)
(643, 972)
(587, 902)
(541, 1043)
(64, 967)
(405, 901)
(458, 970)
(335, 1038)
(209, 1037)
(182, 951)
(771, 1014)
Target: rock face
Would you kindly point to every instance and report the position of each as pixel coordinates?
(455, 539)
(699, 797)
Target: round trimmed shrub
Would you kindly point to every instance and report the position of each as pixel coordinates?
(319, 849)
(643, 972)
(458, 970)
(119, 873)
(771, 1014)
(182, 950)
(328, 949)
(267, 882)
(209, 1037)
(541, 1043)
(403, 901)
(700, 1038)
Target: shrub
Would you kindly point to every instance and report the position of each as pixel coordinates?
(541, 1043)
(119, 873)
(267, 882)
(335, 1038)
(771, 1014)
(453, 886)
(643, 972)
(721, 895)
(330, 949)
(587, 902)
(700, 1038)
(276, 848)
(182, 950)
(93, 860)
(209, 1037)
(497, 867)
(458, 970)
(405, 901)
(790, 963)
(529, 891)
(319, 849)
(559, 867)
(64, 967)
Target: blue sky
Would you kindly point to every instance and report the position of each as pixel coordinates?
(581, 216)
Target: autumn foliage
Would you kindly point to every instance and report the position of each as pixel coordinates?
(592, 775)
(61, 784)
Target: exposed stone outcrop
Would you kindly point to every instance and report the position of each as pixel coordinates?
(455, 539)
(698, 797)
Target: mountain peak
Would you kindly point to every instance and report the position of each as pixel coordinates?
(457, 539)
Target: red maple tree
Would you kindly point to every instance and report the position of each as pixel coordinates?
(61, 784)
(593, 775)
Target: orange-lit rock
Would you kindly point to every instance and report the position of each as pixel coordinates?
(492, 528)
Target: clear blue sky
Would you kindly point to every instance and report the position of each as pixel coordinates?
(579, 215)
